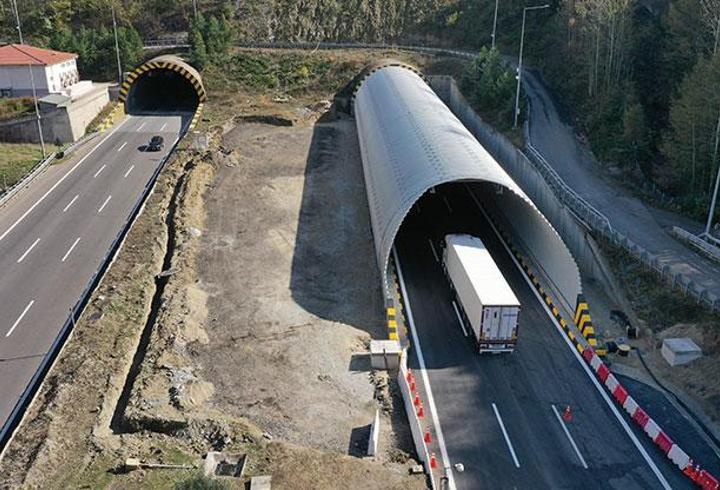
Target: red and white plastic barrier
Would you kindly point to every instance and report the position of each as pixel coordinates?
(416, 416)
(680, 458)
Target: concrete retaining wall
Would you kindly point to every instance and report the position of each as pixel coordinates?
(521, 169)
(62, 124)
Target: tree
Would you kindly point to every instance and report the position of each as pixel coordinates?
(198, 51)
(490, 87)
(691, 143)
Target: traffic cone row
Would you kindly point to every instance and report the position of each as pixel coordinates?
(420, 412)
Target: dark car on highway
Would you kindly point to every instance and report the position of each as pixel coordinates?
(156, 143)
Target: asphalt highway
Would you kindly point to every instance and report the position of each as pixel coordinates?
(497, 412)
(55, 233)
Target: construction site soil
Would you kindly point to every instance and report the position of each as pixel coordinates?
(236, 317)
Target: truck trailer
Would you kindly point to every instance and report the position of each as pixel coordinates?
(487, 306)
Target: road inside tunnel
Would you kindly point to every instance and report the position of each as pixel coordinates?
(162, 90)
(523, 387)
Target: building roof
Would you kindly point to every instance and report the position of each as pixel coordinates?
(22, 54)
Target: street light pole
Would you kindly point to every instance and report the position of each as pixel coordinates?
(495, 23)
(32, 81)
(117, 45)
(711, 212)
(520, 59)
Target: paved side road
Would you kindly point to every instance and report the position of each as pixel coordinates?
(497, 413)
(647, 227)
(54, 234)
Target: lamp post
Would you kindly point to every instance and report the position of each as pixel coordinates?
(495, 23)
(32, 81)
(711, 212)
(117, 45)
(520, 59)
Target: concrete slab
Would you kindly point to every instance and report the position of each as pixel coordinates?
(260, 482)
(680, 351)
(384, 354)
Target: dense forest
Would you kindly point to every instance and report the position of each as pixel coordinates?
(638, 77)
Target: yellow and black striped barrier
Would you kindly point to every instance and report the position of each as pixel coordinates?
(196, 117)
(169, 63)
(569, 331)
(392, 323)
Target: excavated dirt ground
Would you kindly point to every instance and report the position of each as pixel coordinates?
(231, 320)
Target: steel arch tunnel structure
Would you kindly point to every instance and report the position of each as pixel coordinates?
(411, 143)
(163, 84)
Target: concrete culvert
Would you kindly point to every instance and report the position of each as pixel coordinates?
(163, 84)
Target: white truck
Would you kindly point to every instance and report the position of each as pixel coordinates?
(487, 305)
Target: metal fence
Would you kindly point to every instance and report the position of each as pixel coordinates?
(36, 170)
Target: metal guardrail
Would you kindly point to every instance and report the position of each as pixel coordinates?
(25, 181)
(707, 249)
(76, 311)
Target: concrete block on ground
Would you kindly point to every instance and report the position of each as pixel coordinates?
(374, 435)
(260, 482)
(680, 351)
(384, 354)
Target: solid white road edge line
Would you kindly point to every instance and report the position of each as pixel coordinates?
(122, 146)
(432, 247)
(104, 204)
(99, 171)
(506, 436)
(24, 215)
(20, 318)
(423, 373)
(128, 171)
(22, 257)
(70, 203)
(462, 323)
(567, 433)
(70, 249)
(590, 374)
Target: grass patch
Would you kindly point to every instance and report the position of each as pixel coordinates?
(15, 107)
(653, 301)
(16, 160)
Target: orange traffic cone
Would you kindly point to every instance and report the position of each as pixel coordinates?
(567, 414)
(433, 461)
(427, 437)
(409, 376)
(417, 401)
(412, 385)
(421, 412)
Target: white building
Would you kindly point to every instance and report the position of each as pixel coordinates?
(54, 71)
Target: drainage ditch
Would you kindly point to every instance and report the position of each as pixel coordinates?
(118, 423)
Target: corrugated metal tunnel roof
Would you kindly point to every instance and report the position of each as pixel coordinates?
(410, 142)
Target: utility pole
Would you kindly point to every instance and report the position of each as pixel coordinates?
(32, 81)
(520, 59)
(117, 45)
(708, 224)
(195, 8)
(495, 23)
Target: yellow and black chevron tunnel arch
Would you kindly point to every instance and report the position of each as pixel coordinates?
(164, 83)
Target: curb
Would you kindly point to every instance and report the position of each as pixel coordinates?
(592, 355)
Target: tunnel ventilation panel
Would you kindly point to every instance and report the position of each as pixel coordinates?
(166, 63)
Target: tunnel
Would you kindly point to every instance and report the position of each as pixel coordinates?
(161, 85)
(419, 159)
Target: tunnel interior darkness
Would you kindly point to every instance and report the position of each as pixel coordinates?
(162, 90)
(454, 207)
